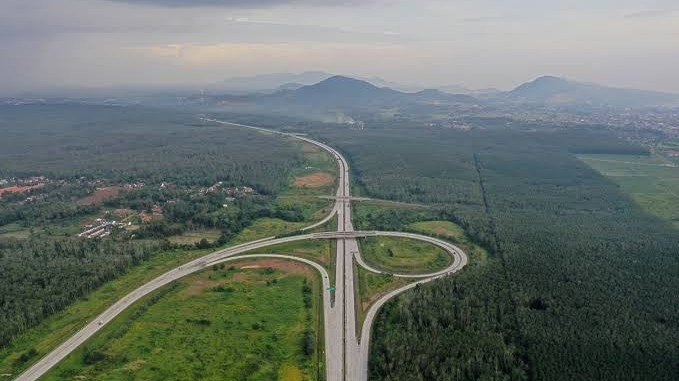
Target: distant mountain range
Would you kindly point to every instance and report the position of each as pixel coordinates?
(344, 92)
(322, 90)
(268, 83)
(560, 91)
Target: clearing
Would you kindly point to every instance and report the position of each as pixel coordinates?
(403, 255)
(99, 196)
(315, 180)
(213, 326)
(652, 181)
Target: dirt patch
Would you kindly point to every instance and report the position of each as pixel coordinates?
(99, 196)
(315, 180)
(20, 188)
(288, 266)
(199, 285)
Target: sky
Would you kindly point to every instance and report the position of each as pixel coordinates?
(48, 44)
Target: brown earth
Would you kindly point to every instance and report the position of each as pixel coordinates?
(198, 285)
(315, 180)
(19, 188)
(99, 196)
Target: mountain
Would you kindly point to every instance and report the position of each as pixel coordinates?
(268, 83)
(340, 91)
(344, 91)
(555, 90)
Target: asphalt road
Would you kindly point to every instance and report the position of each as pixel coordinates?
(346, 352)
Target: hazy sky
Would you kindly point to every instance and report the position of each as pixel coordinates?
(476, 43)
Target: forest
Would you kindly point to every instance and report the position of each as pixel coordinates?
(581, 284)
(169, 160)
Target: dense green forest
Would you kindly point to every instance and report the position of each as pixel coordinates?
(581, 284)
(40, 277)
(124, 144)
(170, 158)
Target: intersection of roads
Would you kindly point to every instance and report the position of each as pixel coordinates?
(346, 349)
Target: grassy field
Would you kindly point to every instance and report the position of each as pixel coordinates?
(371, 287)
(267, 227)
(318, 175)
(443, 229)
(51, 332)
(402, 255)
(313, 208)
(452, 232)
(321, 251)
(191, 237)
(652, 181)
(249, 320)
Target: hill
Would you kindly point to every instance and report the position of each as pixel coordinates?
(555, 90)
(345, 92)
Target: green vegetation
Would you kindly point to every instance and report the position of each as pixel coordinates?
(167, 174)
(443, 229)
(125, 144)
(267, 227)
(321, 251)
(246, 320)
(41, 277)
(372, 286)
(37, 341)
(403, 255)
(579, 280)
(452, 232)
(195, 237)
(377, 215)
(652, 181)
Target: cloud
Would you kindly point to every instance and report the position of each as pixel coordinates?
(238, 3)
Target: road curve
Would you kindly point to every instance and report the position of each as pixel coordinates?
(459, 261)
(346, 354)
(457, 254)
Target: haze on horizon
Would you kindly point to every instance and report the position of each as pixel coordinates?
(483, 43)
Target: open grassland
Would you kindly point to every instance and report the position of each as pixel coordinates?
(371, 287)
(452, 232)
(317, 176)
(39, 340)
(321, 251)
(192, 237)
(402, 255)
(247, 320)
(310, 208)
(652, 181)
(267, 227)
(444, 229)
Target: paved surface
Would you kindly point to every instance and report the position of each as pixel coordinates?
(346, 352)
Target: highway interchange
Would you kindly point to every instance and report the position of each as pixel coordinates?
(346, 351)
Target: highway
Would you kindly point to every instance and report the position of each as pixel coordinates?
(346, 352)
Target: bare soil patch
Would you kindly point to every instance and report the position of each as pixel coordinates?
(286, 265)
(99, 196)
(19, 188)
(315, 180)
